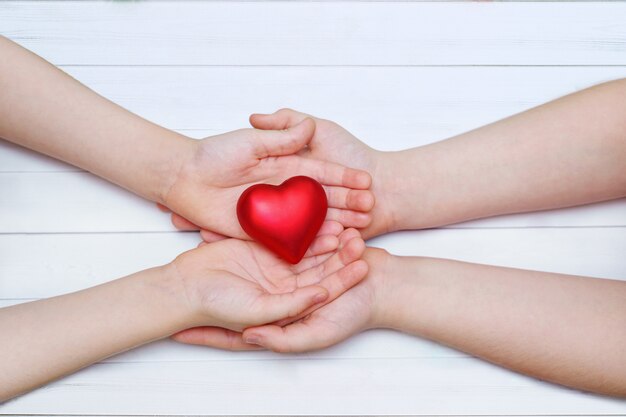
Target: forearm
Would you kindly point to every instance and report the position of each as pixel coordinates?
(47, 339)
(567, 152)
(566, 329)
(46, 110)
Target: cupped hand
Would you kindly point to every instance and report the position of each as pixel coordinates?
(352, 312)
(218, 169)
(236, 284)
(333, 143)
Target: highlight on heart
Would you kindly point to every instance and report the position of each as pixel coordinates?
(281, 212)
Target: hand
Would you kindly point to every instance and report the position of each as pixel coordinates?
(354, 311)
(333, 143)
(234, 284)
(218, 169)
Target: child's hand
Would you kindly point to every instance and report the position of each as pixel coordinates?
(335, 144)
(233, 284)
(358, 309)
(218, 169)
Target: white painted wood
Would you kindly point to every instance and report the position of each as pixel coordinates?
(36, 266)
(54, 202)
(388, 108)
(39, 266)
(293, 387)
(319, 33)
(378, 68)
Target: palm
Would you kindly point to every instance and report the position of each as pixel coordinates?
(212, 185)
(249, 272)
(351, 313)
(222, 167)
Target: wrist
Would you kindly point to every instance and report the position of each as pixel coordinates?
(175, 156)
(389, 186)
(380, 277)
(162, 288)
(395, 290)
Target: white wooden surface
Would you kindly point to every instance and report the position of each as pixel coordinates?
(397, 74)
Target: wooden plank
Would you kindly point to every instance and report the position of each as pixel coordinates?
(38, 266)
(319, 33)
(59, 202)
(414, 106)
(450, 386)
(44, 265)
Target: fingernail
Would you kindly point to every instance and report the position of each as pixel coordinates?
(253, 340)
(320, 297)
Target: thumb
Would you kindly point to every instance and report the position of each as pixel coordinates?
(273, 307)
(284, 142)
(281, 119)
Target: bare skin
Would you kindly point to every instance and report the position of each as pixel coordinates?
(565, 329)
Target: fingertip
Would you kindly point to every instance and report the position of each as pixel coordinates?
(367, 201)
(353, 250)
(163, 208)
(182, 224)
(330, 227)
(347, 235)
(357, 179)
(360, 200)
(323, 244)
(320, 295)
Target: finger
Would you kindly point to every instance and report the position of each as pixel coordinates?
(163, 208)
(330, 227)
(322, 244)
(349, 218)
(298, 337)
(215, 337)
(309, 262)
(272, 307)
(347, 236)
(181, 223)
(336, 284)
(351, 252)
(328, 173)
(210, 237)
(281, 119)
(345, 198)
(283, 142)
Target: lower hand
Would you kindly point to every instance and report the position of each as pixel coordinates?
(233, 284)
(361, 308)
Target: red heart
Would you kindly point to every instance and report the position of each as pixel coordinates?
(284, 218)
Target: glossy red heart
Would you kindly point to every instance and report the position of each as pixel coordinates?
(284, 218)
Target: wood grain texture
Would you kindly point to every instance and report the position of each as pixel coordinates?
(39, 266)
(388, 108)
(62, 202)
(294, 387)
(319, 33)
(398, 75)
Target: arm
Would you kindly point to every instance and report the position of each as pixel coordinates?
(44, 109)
(226, 286)
(566, 329)
(567, 152)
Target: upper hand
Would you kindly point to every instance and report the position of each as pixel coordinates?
(218, 169)
(333, 143)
